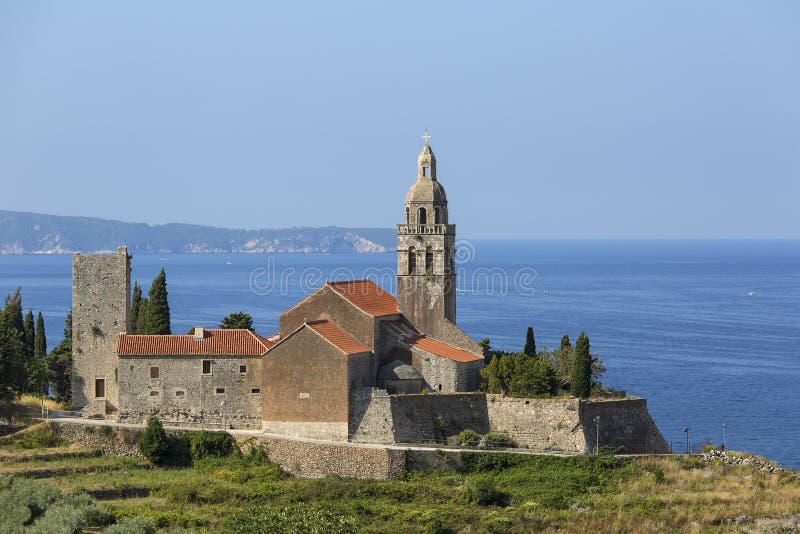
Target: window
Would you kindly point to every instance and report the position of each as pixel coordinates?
(437, 215)
(422, 216)
(428, 260)
(408, 216)
(219, 391)
(206, 367)
(154, 372)
(412, 260)
(242, 369)
(154, 393)
(255, 391)
(180, 393)
(131, 368)
(99, 388)
(426, 171)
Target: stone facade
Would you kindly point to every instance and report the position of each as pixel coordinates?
(445, 375)
(101, 288)
(175, 389)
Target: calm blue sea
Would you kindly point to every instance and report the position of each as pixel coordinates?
(708, 331)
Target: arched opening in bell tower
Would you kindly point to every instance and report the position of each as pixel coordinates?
(437, 215)
(429, 260)
(422, 216)
(408, 215)
(412, 260)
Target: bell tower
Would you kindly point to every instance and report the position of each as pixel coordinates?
(426, 278)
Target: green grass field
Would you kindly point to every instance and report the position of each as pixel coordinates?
(493, 493)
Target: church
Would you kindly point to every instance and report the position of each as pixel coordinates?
(342, 342)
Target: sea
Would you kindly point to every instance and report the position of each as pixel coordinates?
(707, 330)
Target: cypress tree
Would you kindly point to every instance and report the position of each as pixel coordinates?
(40, 340)
(30, 334)
(581, 375)
(13, 311)
(60, 364)
(12, 348)
(565, 342)
(136, 304)
(141, 319)
(158, 306)
(530, 343)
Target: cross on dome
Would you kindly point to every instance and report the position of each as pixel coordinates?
(426, 137)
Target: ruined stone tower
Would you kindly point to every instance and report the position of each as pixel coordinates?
(426, 278)
(101, 288)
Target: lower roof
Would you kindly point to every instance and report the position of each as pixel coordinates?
(215, 342)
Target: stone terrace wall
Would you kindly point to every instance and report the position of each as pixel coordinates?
(317, 459)
(539, 424)
(119, 441)
(623, 423)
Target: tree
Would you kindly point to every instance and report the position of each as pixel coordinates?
(13, 310)
(59, 364)
(40, 339)
(12, 343)
(136, 304)
(38, 365)
(562, 362)
(158, 306)
(581, 376)
(565, 342)
(530, 343)
(237, 320)
(29, 334)
(141, 319)
(154, 444)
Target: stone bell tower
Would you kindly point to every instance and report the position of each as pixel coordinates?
(426, 278)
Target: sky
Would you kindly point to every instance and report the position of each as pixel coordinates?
(579, 119)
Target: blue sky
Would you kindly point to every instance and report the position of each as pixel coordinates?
(549, 119)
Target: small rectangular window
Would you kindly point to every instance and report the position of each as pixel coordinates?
(206, 367)
(131, 368)
(255, 391)
(426, 171)
(180, 393)
(242, 369)
(220, 391)
(100, 388)
(154, 393)
(154, 372)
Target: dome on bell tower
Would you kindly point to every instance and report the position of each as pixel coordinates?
(426, 188)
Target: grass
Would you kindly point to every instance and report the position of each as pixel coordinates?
(27, 400)
(493, 493)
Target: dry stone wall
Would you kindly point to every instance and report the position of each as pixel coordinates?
(623, 423)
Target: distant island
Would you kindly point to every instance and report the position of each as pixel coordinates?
(35, 233)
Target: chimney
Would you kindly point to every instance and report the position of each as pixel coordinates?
(199, 334)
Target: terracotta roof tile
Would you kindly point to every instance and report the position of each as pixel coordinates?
(442, 349)
(220, 342)
(337, 337)
(367, 296)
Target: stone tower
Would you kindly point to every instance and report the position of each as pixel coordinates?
(426, 278)
(101, 288)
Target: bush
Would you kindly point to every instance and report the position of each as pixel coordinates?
(154, 444)
(39, 437)
(481, 490)
(497, 439)
(265, 520)
(105, 430)
(469, 438)
(210, 444)
(133, 525)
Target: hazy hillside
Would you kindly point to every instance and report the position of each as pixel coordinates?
(34, 233)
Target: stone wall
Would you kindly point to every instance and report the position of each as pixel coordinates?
(317, 459)
(100, 311)
(623, 423)
(108, 439)
(540, 424)
(445, 375)
(182, 393)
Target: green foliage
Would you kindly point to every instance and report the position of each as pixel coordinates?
(469, 437)
(266, 520)
(565, 342)
(519, 375)
(157, 309)
(40, 338)
(29, 334)
(482, 491)
(498, 439)
(136, 307)
(581, 374)
(12, 344)
(238, 319)
(141, 319)
(153, 443)
(59, 365)
(132, 525)
(39, 437)
(211, 444)
(530, 343)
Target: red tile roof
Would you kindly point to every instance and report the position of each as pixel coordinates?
(442, 349)
(367, 296)
(220, 342)
(337, 337)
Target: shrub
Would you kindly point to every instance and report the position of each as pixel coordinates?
(481, 490)
(154, 444)
(211, 444)
(497, 439)
(36, 438)
(468, 437)
(266, 520)
(658, 475)
(710, 448)
(105, 430)
(133, 525)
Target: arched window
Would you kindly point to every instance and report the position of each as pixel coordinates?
(422, 216)
(412, 260)
(428, 260)
(408, 215)
(437, 215)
